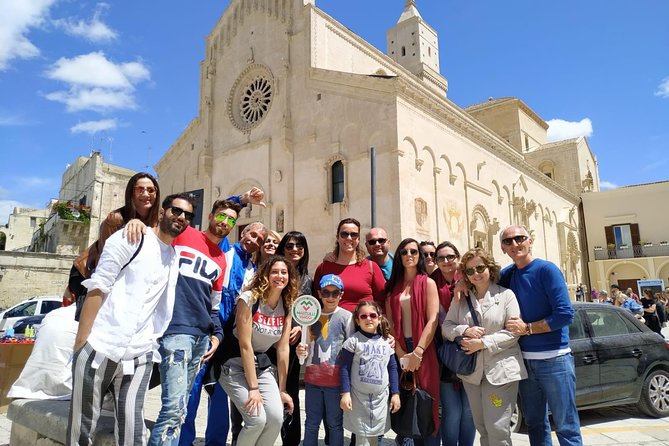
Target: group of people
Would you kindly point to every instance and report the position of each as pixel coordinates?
(220, 315)
(650, 308)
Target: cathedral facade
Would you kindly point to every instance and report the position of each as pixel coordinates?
(330, 127)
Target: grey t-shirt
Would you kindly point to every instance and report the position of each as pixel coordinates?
(267, 324)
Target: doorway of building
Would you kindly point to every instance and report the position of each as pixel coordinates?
(628, 283)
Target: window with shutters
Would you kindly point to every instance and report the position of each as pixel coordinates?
(622, 235)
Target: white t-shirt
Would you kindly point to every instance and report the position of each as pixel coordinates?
(267, 325)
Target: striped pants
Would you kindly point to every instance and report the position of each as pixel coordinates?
(89, 386)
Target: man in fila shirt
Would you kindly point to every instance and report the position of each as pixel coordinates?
(195, 330)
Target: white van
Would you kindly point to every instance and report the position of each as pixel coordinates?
(29, 307)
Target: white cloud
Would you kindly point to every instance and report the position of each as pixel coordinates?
(559, 130)
(12, 121)
(97, 83)
(94, 31)
(95, 70)
(94, 126)
(17, 17)
(99, 100)
(607, 185)
(35, 182)
(663, 89)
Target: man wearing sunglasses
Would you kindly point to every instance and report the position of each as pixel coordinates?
(378, 243)
(195, 330)
(129, 304)
(544, 329)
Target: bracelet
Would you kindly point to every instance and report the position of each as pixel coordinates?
(416, 355)
(529, 328)
(420, 347)
(253, 388)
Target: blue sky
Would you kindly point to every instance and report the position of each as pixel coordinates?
(122, 77)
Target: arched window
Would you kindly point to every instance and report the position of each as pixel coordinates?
(548, 168)
(337, 182)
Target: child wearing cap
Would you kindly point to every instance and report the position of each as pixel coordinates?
(321, 373)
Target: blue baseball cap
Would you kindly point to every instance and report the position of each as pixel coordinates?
(332, 279)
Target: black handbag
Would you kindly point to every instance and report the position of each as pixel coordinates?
(414, 418)
(453, 356)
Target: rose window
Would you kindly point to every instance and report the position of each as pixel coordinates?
(251, 97)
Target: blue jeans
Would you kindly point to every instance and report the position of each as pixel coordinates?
(216, 433)
(551, 383)
(457, 425)
(322, 402)
(180, 362)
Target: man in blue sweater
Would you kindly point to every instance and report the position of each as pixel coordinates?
(546, 312)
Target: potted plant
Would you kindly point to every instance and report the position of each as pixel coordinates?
(646, 243)
(611, 245)
(664, 243)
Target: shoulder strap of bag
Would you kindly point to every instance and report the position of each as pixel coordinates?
(472, 311)
(141, 243)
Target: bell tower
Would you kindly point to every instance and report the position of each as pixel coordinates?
(415, 45)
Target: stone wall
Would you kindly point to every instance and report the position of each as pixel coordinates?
(26, 274)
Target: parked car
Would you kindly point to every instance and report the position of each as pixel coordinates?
(30, 321)
(618, 361)
(29, 307)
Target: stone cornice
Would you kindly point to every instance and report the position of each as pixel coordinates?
(447, 112)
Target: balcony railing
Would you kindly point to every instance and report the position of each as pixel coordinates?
(631, 252)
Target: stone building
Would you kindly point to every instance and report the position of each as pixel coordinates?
(628, 235)
(22, 224)
(89, 186)
(294, 102)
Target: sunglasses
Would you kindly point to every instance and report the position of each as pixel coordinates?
(478, 269)
(374, 241)
(177, 211)
(326, 293)
(351, 235)
(223, 218)
(139, 190)
(365, 316)
(448, 258)
(430, 254)
(518, 239)
(291, 246)
(411, 251)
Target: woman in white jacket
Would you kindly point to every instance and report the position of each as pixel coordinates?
(493, 386)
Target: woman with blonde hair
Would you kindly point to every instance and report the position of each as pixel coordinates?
(492, 389)
(268, 247)
(248, 377)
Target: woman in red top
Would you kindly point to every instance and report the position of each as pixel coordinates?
(363, 279)
(457, 424)
(412, 308)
